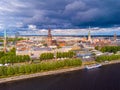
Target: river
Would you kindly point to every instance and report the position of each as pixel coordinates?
(104, 78)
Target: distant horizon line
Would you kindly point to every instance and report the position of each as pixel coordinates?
(76, 35)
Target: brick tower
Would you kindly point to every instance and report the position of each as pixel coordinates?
(49, 38)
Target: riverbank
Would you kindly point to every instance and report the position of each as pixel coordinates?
(111, 62)
(22, 77)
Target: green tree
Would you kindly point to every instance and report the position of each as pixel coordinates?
(2, 60)
(112, 49)
(16, 69)
(27, 69)
(3, 71)
(10, 71)
(2, 54)
(33, 68)
(22, 69)
(46, 56)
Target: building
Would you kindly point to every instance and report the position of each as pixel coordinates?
(49, 38)
(89, 37)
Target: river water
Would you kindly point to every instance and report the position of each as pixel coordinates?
(104, 78)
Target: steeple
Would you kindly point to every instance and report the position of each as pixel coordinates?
(5, 40)
(5, 33)
(16, 38)
(115, 37)
(49, 33)
(89, 35)
(49, 38)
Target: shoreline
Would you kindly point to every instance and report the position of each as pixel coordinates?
(40, 74)
(47, 73)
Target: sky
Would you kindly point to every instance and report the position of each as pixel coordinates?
(68, 16)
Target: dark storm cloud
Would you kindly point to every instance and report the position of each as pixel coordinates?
(59, 13)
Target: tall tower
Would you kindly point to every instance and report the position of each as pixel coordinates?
(49, 38)
(5, 40)
(115, 37)
(89, 36)
(16, 38)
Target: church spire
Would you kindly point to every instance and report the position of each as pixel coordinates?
(5, 40)
(49, 33)
(49, 38)
(115, 37)
(89, 35)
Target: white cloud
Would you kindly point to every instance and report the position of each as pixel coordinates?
(32, 27)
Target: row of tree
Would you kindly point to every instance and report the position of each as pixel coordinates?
(47, 56)
(14, 59)
(69, 54)
(33, 68)
(12, 39)
(11, 52)
(107, 58)
(112, 49)
(11, 57)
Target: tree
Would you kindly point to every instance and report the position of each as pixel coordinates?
(97, 47)
(16, 70)
(46, 56)
(10, 71)
(112, 49)
(33, 68)
(3, 71)
(22, 69)
(2, 60)
(2, 54)
(69, 54)
(12, 51)
(27, 69)
(107, 58)
(27, 58)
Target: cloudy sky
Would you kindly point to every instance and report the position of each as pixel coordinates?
(69, 15)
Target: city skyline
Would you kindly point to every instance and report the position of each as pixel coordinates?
(83, 31)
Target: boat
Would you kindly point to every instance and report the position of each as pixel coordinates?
(94, 66)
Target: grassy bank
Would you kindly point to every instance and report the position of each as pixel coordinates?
(34, 68)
